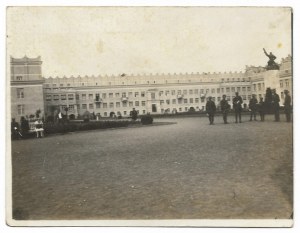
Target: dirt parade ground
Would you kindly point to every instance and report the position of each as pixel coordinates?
(187, 170)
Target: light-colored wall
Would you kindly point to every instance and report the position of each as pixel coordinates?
(32, 101)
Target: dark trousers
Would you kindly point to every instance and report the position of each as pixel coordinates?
(288, 115)
(253, 114)
(211, 117)
(276, 114)
(238, 114)
(262, 116)
(225, 117)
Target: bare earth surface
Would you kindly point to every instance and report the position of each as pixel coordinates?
(187, 170)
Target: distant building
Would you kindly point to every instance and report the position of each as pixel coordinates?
(152, 93)
(26, 87)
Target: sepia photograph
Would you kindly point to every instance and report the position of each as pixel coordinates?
(149, 116)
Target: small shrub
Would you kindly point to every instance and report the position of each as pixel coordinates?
(147, 120)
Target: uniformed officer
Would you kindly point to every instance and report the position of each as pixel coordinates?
(210, 109)
(275, 102)
(224, 108)
(253, 107)
(237, 106)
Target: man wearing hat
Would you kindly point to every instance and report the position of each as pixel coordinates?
(237, 106)
(287, 105)
(210, 109)
(224, 108)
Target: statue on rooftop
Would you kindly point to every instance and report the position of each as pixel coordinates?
(272, 65)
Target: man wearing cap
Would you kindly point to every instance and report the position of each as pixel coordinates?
(237, 106)
(275, 102)
(287, 105)
(224, 108)
(210, 109)
(253, 107)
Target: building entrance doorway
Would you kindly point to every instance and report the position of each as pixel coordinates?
(154, 109)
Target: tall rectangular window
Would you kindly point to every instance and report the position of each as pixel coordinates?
(118, 104)
(259, 86)
(20, 93)
(83, 96)
(56, 97)
(91, 106)
(63, 97)
(143, 103)
(84, 106)
(136, 94)
(91, 96)
(142, 94)
(110, 95)
(21, 109)
(111, 105)
(137, 103)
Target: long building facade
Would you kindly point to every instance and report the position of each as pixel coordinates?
(152, 93)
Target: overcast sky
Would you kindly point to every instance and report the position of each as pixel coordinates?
(102, 40)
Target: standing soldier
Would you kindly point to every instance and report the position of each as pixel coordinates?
(275, 102)
(261, 109)
(287, 105)
(224, 108)
(210, 109)
(253, 107)
(237, 106)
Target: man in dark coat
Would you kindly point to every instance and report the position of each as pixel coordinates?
(24, 126)
(134, 114)
(210, 110)
(237, 106)
(261, 109)
(275, 102)
(287, 105)
(253, 107)
(224, 108)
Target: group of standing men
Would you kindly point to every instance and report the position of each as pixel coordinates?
(254, 107)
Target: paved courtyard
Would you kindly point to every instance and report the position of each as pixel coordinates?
(187, 170)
